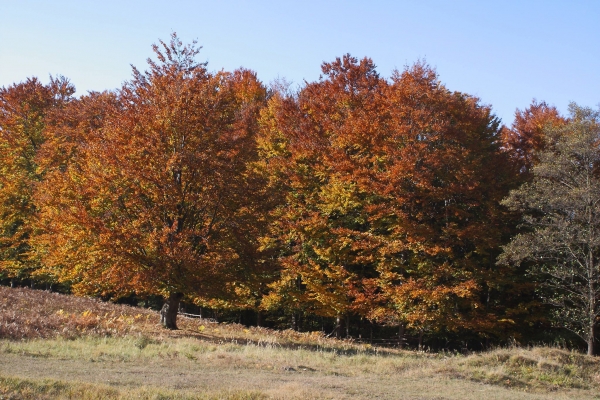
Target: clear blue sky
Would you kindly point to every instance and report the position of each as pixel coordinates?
(507, 52)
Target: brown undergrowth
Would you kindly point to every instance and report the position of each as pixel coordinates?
(30, 314)
(36, 314)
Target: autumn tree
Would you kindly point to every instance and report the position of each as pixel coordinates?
(24, 114)
(160, 199)
(59, 241)
(440, 177)
(526, 136)
(314, 146)
(392, 198)
(521, 142)
(561, 219)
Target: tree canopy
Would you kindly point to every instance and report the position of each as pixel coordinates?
(159, 199)
(358, 198)
(25, 109)
(561, 208)
(391, 197)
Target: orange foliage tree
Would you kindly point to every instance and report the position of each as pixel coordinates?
(24, 113)
(526, 135)
(318, 149)
(153, 194)
(391, 198)
(442, 177)
(374, 197)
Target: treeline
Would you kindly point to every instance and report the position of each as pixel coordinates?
(355, 202)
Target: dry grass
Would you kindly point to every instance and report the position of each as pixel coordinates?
(32, 389)
(29, 314)
(535, 368)
(58, 346)
(33, 314)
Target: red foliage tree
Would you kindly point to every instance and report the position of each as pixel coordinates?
(391, 198)
(159, 198)
(441, 181)
(526, 135)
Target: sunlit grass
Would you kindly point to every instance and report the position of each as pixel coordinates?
(536, 368)
(35, 389)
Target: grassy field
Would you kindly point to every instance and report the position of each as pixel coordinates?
(54, 346)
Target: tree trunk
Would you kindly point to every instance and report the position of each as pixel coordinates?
(294, 322)
(168, 313)
(360, 323)
(421, 333)
(12, 283)
(338, 326)
(401, 336)
(592, 341)
(347, 325)
(258, 319)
